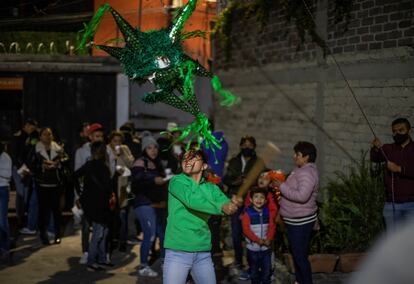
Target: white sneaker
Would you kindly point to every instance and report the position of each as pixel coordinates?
(147, 271)
(27, 231)
(84, 258)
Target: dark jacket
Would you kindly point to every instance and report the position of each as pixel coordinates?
(97, 190)
(234, 171)
(403, 182)
(47, 177)
(21, 146)
(144, 171)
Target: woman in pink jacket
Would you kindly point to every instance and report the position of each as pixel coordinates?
(298, 207)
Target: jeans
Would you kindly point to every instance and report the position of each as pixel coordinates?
(85, 233)
(148, 220)
(237, 236)
(299, 239)
(260, 263)
(26, 199)
(4, 223)
(402, 212)
(97, 252)
(177, 265)
(33, 209)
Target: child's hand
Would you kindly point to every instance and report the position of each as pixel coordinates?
(267, 242)
(261, 242)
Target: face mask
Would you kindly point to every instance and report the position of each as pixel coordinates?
(247, 152)
(400, 138)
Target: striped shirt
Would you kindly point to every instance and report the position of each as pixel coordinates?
(301, 220)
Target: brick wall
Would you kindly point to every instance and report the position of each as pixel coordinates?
(374, 24)
(289, 95)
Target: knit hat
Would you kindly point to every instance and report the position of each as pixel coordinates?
(147, 141)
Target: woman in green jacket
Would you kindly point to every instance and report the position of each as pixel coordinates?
(191, 202)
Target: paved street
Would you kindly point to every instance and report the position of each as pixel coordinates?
(33, 263)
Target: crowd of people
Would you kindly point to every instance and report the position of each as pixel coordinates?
(178, 196)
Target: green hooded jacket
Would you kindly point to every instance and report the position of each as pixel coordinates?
(190, 205)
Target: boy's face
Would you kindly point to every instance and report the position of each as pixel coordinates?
(258, 200)
(96, 136)
(263, 181)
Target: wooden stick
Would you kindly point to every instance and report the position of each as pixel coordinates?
(269, 153)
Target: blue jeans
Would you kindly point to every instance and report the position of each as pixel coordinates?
(148, 220)
(177, 265)
(85, 233)
(299, 239)
(260, 263)
(97, 252)
(33, 210)
(237, 236)
(4, 223)
(402, 212)
(26, 199)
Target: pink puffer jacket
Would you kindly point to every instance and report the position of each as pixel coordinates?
(299, 192)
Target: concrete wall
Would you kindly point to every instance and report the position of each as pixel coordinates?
(290, 95)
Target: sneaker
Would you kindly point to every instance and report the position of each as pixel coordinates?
(27, 231)
(84, 258)
(133, 242)
(147, 272)
(94, 267)
(244, 275)
(51, 235)
(106, 264)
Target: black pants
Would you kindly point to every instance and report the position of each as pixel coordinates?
(49, 201)
(215, 225)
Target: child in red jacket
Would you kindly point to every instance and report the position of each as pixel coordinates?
(259, 227)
